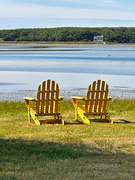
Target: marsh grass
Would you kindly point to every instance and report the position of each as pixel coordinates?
(74, 151)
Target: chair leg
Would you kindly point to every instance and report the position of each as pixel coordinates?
(110, 120)
(83, 117)
(100, 116)
(59, 119)
(62, 121)
(37, 121)
(29, 116)
(76, 115)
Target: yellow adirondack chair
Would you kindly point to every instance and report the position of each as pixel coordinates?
(94, 103)
(46, 104)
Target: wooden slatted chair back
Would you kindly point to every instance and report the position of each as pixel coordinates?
(47, 97)
(96, 98)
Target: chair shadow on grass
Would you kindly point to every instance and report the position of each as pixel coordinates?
(123, 121)
(73, 123)
(120, 121)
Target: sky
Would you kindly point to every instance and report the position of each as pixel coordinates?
(16, 14)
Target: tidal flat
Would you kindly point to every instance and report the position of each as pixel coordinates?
(23, 66)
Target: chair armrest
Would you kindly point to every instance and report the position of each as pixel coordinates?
(61, 97)
(78, 98)
(27, 101)
(75, 99)
(29, 98)
(109, 98)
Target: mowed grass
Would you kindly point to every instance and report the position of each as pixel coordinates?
(73, 151)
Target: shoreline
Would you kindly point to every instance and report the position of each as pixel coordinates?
(21, 84)
(55, 46)
(51, 43)
(81, 92)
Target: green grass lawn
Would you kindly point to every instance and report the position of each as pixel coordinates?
(74, 151)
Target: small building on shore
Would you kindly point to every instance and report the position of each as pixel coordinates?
(98, 38)
(1, 39)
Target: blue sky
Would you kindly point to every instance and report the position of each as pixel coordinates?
(66, 13)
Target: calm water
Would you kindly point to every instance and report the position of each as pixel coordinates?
(73, 67)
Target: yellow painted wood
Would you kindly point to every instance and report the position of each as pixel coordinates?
(95, 102)
(60, 98)
(29, 116)
(47, 95)
(38, 98)
(87, 97)
(101, 95)
(43, 96)
(76, 115)
(77, 98)
(34, 118)
(46, 104)
(52, 97)
(47, 121)
(29, 98)
(56, 98)
(93, 86)
(105, 97)
(97, 96)
(82, 116)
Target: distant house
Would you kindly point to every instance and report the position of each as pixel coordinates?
(98, 38)
(1, 39)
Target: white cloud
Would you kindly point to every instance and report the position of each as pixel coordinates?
(25, 10)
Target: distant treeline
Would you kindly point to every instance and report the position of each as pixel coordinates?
(70, 34)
